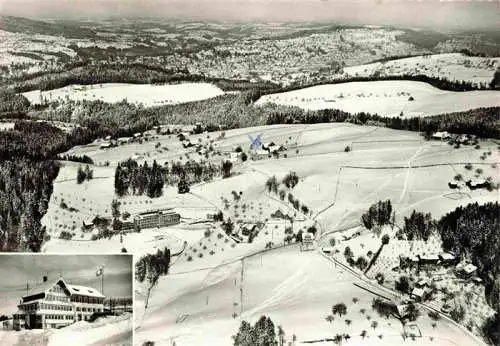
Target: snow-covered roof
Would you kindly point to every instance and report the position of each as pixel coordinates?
(469, 268)
(439, 134)
(84, 290)
(432, 257)
(73, 289)
(423, 281)
(418, 292)
(447, 256)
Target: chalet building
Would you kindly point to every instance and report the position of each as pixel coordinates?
(55, 305)
(157, 219)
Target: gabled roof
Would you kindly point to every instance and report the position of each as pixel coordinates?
(72, 289)
(44, 287)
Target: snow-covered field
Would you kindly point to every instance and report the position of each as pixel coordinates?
(386, 98)
(116, 330)
(196, 302)
(146, 94)
(296, 289)
(452, 66)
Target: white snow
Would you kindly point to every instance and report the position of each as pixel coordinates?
(146, 94)
(386, 98)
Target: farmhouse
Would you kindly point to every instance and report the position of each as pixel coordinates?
(259, 154)
(441, 135)
(420, 294)
(446, 258)
(87, 225)
(465, 270)
(266, 146)
(54, 305)
(249, 228)
(137, 135)
(106, 145)
(124, 140)
(422, 283)
(452, 185)
(157, 219)
(187, 143)
(276, 148)
(428, 260)
(278, 214)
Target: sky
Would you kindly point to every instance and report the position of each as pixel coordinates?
(75, 269)
(408, 13)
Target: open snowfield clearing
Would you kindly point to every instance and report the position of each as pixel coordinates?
(452, 66)
(148, 95)
(385, 98)
(197, 308)
(116, 330)
(383, 164)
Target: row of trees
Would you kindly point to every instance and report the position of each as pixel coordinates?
(130, 177)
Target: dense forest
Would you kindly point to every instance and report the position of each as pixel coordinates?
(472, 232)
(25, 189)
(27, 172)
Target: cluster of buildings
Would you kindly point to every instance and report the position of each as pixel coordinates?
(422, 289)
(57, 304)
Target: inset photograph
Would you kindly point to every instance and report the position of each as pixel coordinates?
(66, 300)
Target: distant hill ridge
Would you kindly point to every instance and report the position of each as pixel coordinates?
(57, 28)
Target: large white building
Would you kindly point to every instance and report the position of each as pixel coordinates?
(55, 305)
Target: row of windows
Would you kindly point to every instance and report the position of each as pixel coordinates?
(52, 297)
(87, 300)
(59, 317)
(88, 309)
(56, 307)
(31, 307)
